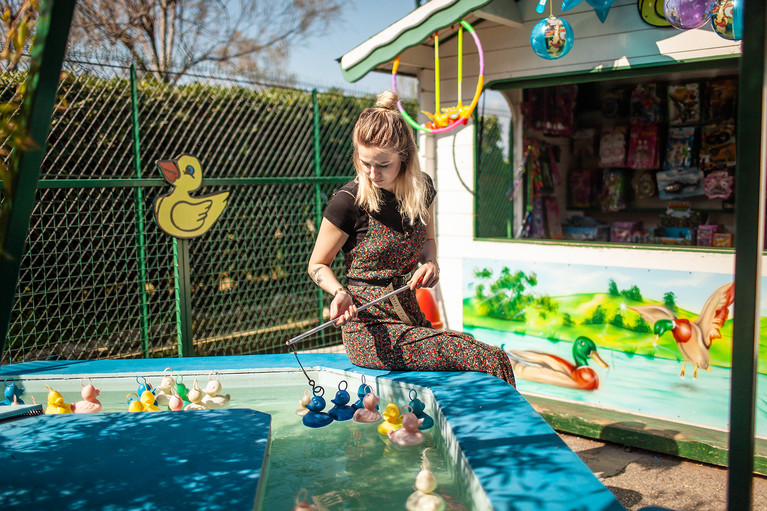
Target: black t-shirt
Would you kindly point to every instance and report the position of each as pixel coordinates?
(343, 212)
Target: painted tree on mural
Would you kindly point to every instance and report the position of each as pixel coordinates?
(669, 301)
(507, 296)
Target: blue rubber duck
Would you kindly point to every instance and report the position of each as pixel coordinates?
(341, 411)
(418, 409)
(361, 393)
(315, 417)
(12, 390)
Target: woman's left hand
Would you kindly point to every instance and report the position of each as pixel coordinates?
(427, 275)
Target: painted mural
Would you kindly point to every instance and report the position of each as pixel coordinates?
(655, 342)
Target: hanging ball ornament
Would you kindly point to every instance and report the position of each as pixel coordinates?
(687, 14)
(551, 38)
(721, 18)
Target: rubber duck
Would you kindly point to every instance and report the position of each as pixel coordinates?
(408, 434)
(145, 386)
(212, 399)
(368, 413)
(302, 410)
(363, 389)
(163, 391)
(341, 410)
(547, 368)
(418, 408)
(424, 498)
(56, 403)
(181, 389)
(90, 402)
(393, 420)
(195, 398)
(12, 393)
(693, 338)
(301, 503)
(178, 213)
(315, 417)
(142, 403)
(175, 403)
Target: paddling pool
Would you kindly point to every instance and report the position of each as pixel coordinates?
(489, 448)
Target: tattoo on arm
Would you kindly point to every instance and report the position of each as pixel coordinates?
(315, 275)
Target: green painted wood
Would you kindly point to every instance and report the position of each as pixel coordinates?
(749, 243)
(45, 65)
(182, 274)
(654, 434)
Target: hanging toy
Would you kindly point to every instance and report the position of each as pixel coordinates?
(213, 398)
(195, 398)
(726, 15)
(315, 417)
(551, 38)
(162, 392)
(409, 433)
(446, 119)
(90, 402)
(687, 14)
(134, 405)
(145, 386)
(418, 408)
(56, 403)
(302, 410)
(301, 503)
(181, 389)
(424, 496)
(393, 418)
(362, 391)
(368, 414)
(175, 403)
(12, 393)
(341, 411)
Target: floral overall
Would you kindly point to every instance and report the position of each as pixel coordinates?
(395, 334)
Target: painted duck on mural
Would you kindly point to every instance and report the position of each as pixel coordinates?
(546, 368)
(694, 337)
(178, 213)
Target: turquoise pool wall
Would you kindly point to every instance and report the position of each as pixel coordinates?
(515, 459)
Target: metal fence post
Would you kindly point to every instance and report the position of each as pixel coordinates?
(139, 201)
(317, 194)
(46, 59)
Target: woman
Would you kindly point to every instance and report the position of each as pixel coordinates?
(383, 222)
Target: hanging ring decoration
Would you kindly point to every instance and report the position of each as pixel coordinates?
(446, 119)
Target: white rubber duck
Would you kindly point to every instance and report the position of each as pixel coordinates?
(424, 498)
(164, 390)
(195, 395)
(212, 398)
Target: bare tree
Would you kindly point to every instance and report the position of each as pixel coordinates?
(168, 38)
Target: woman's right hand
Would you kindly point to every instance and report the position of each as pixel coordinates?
(343, 308)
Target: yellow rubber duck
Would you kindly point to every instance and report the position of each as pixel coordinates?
(178, 213)
(56, 403)
(393, 419)
(145, 403)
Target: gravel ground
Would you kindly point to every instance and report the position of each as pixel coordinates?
(641, 478)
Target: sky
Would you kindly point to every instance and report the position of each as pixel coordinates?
(314, 59)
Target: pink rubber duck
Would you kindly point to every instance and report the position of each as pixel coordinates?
(90, 402)
(175, 403)
(408, 434)
(368, 414)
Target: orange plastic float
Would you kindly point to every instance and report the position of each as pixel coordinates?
(428, 306)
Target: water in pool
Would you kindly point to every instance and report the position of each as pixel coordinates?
(343, 466)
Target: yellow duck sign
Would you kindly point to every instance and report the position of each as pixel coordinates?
(178, 213)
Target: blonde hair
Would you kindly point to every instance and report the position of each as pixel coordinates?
(383, 127)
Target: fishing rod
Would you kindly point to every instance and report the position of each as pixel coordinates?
(330, 322)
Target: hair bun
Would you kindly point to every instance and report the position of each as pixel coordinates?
(388, 100)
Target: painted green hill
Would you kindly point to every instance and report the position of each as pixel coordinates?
(607, 320)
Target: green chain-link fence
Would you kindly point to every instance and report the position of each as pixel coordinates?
(100, 280)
